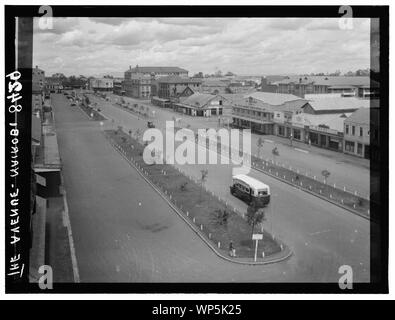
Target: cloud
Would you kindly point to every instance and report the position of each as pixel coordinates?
(246, 45)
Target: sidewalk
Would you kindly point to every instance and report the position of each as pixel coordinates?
(338, 156)
(57, 253)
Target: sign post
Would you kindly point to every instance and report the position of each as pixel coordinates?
(256, 237)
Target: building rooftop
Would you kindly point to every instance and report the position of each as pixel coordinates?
(235, 98)
(361, 116)
(273, 99)
(338, 103)
(338, 81)
(213, 83)
(156, 69)
(198, 99)
(178, 79)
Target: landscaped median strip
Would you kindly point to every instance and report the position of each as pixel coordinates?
(91, 112)
(200, 209)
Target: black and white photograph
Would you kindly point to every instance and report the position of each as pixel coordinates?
(196, 149)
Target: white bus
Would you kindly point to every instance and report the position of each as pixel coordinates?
(250, 190)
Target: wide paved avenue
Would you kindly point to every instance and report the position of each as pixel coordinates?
(124, 231)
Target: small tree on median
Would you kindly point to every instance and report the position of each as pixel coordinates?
(221, 217)
(137, 134)
(255, 216)
(203, 179)
(259, 144)
(275, 153)
(325, 174)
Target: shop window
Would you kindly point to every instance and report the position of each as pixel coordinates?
(296, 134)
(359, 148)
(349, 146)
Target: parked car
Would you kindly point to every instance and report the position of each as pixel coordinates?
(72, 104)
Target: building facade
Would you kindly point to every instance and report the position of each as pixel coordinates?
(172, 86)
(118, 87)
(141, 82)
(53, 85)
(101, 85)
(261, 111)
(357, 134)
(201, 105)
(346, 86)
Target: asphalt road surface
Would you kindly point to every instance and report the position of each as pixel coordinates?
(123, 231)
(346, 171)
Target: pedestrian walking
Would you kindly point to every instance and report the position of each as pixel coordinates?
(232, 250)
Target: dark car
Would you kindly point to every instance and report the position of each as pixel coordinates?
(150, 124)
(72, 104)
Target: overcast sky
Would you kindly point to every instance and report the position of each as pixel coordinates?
(93, 46)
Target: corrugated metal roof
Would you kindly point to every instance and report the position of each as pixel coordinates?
(274, 99)
(338, 103)
(328, 80)
(361, 116)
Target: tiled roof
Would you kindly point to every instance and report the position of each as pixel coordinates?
(338, 103)
(156, 69)
(273, 99)
(178, 79)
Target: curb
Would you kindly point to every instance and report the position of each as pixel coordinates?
(313, 193)
(67, 224)
(306, 190)
(193, 227)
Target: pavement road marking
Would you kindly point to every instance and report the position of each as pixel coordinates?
(319, 232)
(267, 140)
(301, 150)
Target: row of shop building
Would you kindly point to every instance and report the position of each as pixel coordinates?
(348, 125)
